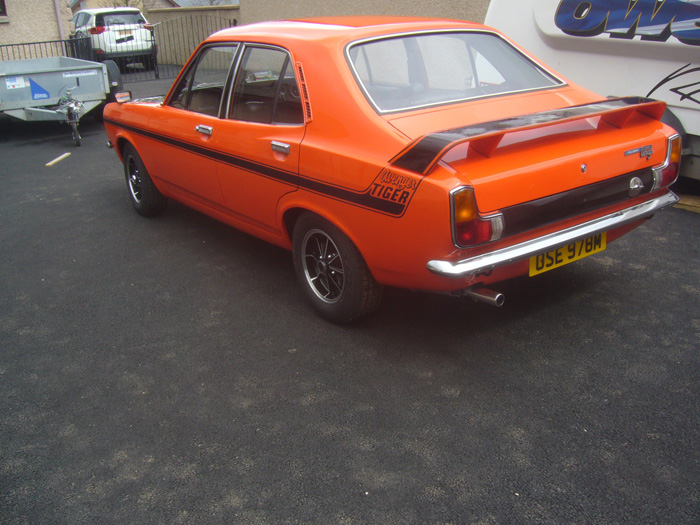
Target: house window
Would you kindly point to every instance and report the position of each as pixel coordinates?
(3, 9)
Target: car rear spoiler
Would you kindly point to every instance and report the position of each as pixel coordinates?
(422, 154)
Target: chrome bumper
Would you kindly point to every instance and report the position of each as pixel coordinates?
(525, 250)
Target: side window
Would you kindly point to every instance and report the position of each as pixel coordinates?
(79, 20)
(201, 90)
(266, 89)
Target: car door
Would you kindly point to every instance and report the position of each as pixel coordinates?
(187, 127)
(79, 23)
(261, 135)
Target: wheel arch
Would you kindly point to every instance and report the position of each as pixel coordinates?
(291, 215)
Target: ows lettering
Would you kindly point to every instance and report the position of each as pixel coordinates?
(651, 19)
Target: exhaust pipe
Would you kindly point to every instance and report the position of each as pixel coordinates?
(487, 296)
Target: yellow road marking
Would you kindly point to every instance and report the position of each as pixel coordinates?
(689, 202)
(57, 160)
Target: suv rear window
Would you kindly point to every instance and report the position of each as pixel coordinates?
(116, 19)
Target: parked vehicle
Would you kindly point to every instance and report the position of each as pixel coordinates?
(121, 34)
(619, 48)
(424, 154)
(56, 88)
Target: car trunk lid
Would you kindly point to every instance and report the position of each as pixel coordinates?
(531, 157)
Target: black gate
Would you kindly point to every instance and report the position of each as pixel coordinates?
(74, 48)
(179, 37)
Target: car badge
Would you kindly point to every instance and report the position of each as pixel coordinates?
(644, 151)
(636, 186)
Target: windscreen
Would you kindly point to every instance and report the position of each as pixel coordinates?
(412, 71)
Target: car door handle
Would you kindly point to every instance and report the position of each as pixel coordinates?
(204, 130)
(281, 147)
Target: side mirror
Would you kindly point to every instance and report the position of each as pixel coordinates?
(122, 96)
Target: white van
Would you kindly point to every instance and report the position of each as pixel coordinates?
(618, 48)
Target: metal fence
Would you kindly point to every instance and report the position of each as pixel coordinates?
(174, 42)
(75, 47)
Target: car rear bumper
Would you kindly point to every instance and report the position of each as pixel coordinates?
(518, 252)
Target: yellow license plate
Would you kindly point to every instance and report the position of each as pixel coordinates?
(567, 254)
(124, 33)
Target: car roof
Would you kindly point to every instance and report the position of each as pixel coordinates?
(347, 28)
(104, 10)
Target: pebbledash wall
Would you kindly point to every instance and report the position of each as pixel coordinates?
(34, 21)
(259, 10)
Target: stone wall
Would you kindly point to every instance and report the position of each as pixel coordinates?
(259, 10)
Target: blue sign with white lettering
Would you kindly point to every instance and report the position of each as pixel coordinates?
(655, 20)
(38, 92)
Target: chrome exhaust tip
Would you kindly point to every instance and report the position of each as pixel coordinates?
(487, 296)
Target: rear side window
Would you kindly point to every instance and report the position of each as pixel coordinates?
(81, 19)
(266, 89)
(414, 71)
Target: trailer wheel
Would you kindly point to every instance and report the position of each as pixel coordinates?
(115, 79)
(76, 134)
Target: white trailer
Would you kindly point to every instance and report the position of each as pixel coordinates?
(648, 48)
(56, 88)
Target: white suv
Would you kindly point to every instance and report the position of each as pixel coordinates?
(121, 34)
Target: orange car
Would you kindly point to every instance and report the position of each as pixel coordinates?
(417, 153)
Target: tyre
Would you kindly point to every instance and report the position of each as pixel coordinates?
(115, 79)
(77, 139)
(332, 272)
(144, 195)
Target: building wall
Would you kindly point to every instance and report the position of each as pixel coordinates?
(259, 10)
(156, 4)
(36, 21)
(33, 21)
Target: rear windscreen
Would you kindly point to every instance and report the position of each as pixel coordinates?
(117, 19)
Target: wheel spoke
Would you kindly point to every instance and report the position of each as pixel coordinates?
(323, 266)
(337, 280)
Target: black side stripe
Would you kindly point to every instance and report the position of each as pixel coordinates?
(286, 177)
(362, 199)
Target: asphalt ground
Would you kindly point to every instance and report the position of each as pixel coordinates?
(168, 370)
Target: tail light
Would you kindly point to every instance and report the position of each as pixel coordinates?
(667, 173)
(98, 30)
(470, 228)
